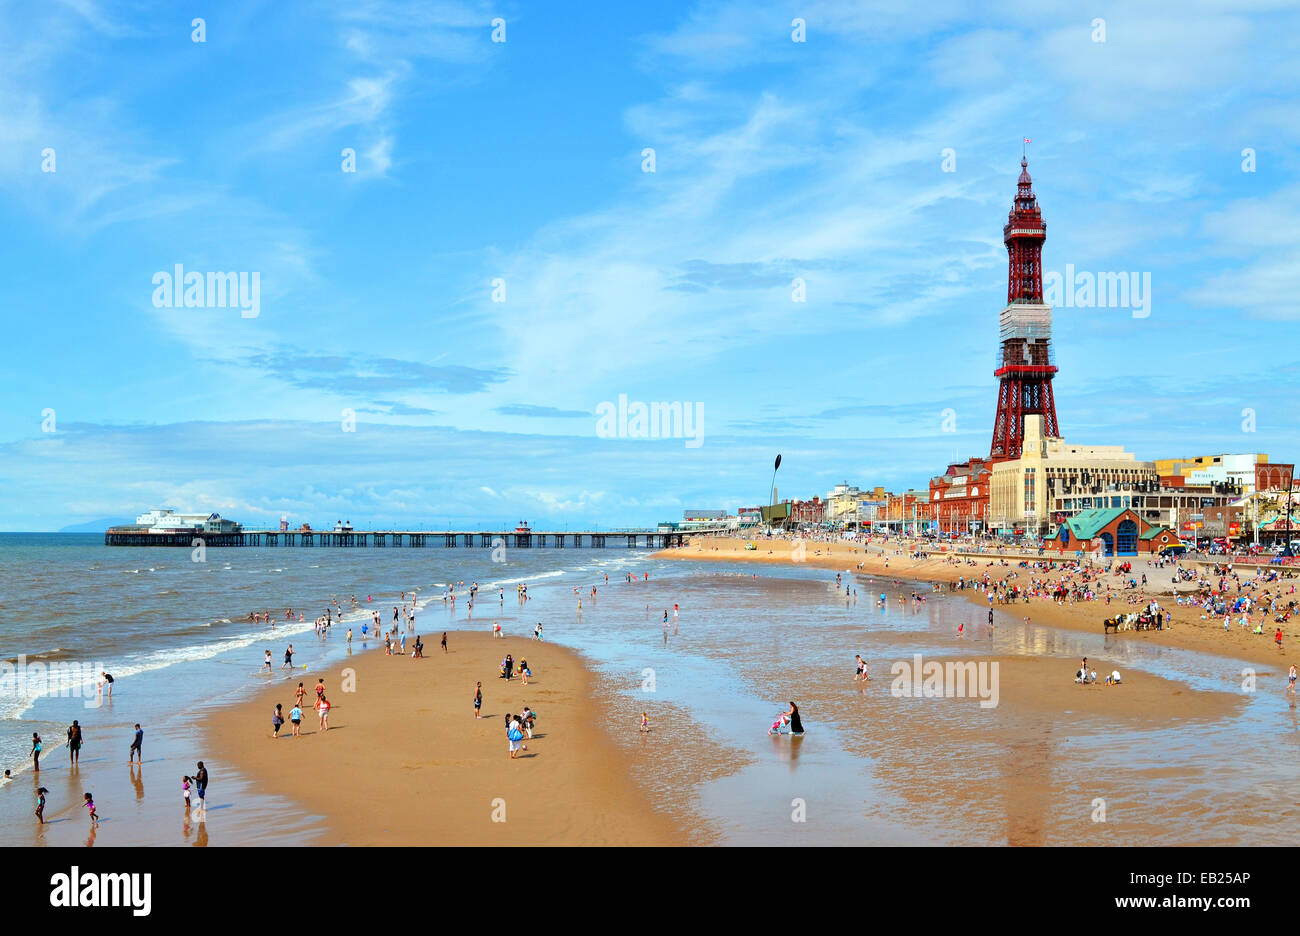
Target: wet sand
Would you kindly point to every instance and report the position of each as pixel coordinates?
(1035, 769)
(1189, 630)
(404, 761)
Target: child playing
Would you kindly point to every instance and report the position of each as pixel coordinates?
(185, 790)
(90, 809)
(645, 722)
(40, 804)
(295, 718)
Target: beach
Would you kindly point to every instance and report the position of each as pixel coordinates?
(710, 646)
(1191, 628)
(405, 762)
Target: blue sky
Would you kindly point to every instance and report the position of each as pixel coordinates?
(522, 161)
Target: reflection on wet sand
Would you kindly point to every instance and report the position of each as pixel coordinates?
(1025, 791)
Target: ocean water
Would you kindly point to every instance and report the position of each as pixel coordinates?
(745, 641)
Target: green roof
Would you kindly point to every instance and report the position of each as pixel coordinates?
(1154, 532)
(1086, 524)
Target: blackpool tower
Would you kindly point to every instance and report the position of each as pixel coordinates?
(1025, 361)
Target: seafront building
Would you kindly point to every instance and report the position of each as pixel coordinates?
(842, 503)
(1238, 469)
(1054, 480)
(847, 505)
(1112, 531)
(959, 498)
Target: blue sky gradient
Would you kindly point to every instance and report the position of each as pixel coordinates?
(522, 161)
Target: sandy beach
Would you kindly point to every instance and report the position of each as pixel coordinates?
(1189, 630)
(405, 762)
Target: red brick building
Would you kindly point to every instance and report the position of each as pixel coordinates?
(1113, 532)
(959, 498)
(813, 511)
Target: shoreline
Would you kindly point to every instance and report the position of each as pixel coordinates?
(1189, 631)
(404, 761)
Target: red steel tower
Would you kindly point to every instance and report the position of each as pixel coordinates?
(1025, 361)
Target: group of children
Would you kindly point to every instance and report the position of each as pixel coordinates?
(295, 714)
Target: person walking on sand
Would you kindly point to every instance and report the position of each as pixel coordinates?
(320, 688)
(36, 752)
(297, 698)
(444, 641)
(277, 719)
(514, 734)
(323, 711)
(295, 719)
(645, 723)
(478, 699)
(137, 745)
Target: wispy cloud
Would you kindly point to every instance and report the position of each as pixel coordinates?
(532, 411)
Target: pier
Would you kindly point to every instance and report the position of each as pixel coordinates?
(388, 539)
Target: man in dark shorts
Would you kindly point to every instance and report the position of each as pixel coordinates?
(137, 746)
(288, 658)
(74, 742)
(201, 784)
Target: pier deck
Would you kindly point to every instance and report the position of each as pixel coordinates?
(447, 539)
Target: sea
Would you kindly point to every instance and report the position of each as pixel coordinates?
(743, 641)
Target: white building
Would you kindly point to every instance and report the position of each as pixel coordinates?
(167, 520)
(842, 503)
